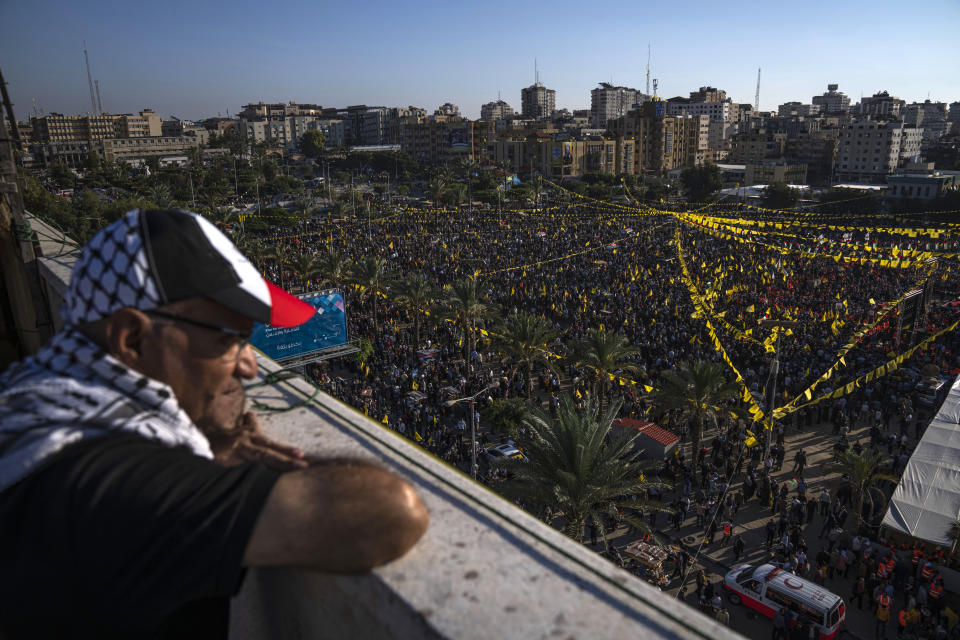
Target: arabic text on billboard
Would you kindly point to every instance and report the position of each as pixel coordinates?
(326, 329)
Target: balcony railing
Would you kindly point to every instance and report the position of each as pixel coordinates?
(484, 569)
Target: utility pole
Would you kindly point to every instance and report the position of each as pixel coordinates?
(771, 390)
(18, 264)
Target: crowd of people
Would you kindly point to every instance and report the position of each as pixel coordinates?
(589, 265)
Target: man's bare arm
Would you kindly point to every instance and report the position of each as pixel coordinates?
(337, 517)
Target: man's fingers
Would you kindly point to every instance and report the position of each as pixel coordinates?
(263, 441)
(270, 457)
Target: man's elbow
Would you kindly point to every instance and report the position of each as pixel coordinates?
(405, 520)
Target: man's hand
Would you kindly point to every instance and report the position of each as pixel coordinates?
(248, 443)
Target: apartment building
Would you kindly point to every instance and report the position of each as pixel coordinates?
(544, 155)
(662, 142)
(608, 102)
(818, 151)
(880, 105)
(128, 149)
(498, 110)
(767, 172)
(536, 101)
(756, 146)
(57, 127)
(438, 138)
(869, 150)
(931, 116)
(278, 110)
(798, 109)
(833, 101)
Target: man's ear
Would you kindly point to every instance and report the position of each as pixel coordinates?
(125, 335)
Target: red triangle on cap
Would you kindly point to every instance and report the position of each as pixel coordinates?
(287, 310)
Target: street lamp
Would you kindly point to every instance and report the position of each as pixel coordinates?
(772, 380)
(473, 424)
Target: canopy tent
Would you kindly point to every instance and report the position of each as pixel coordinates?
(927, 500)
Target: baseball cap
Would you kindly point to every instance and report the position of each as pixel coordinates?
(150, 258)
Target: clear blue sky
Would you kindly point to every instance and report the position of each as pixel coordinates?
(197, 59)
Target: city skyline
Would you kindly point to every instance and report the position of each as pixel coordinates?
(200, 60)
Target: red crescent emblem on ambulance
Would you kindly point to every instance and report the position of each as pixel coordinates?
(787, 582)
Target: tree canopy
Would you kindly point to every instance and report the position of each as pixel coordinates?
(780, 195)
(700, 182)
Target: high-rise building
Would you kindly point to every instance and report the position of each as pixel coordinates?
(953, 117)
(797, 109)
(708, 94)
(498, 110)
(932, 116)
(664, 142)
(448, 109)
(608, 102)
(833, 101)
(880, 104)
(869, 150)
(537, 101)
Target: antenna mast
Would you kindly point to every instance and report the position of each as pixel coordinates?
(99, 104)
(648, 69)
(536, 73)
(756, 100)
(93, 102)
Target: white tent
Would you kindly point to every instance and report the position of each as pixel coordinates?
(927, 500)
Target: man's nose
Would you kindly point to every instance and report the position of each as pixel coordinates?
(247, 362)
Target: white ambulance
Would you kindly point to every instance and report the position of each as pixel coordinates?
(767, 588)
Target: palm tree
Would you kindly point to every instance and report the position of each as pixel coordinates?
(160, 195)
(861, 471)
(369, 275)
(577, 467)
(283, 255)
(455, 194)
(700, 392)
(467, 307)
(415, 292)
(953, 532)
(307, 267)
(602, 352)
(437, 187)
(334, 268)
(524, 339)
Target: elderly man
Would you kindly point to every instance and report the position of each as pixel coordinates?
(134, 486)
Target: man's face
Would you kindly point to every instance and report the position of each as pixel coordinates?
(204, 367)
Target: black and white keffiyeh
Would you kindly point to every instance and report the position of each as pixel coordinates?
(72, 390)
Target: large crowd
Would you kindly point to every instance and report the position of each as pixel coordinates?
(591, 265)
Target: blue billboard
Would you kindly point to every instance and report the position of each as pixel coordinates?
(326, 329)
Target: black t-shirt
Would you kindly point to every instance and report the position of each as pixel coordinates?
(123, 537)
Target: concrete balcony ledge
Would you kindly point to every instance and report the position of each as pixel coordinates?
(484, 569)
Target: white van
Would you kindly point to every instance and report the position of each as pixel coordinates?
(767, 588)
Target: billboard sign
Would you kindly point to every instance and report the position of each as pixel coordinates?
(325, 330)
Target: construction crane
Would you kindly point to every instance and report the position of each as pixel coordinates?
(648, 70)
(756, 100)
(99, 103)
(93, 101)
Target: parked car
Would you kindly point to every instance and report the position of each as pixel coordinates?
(504, 452)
